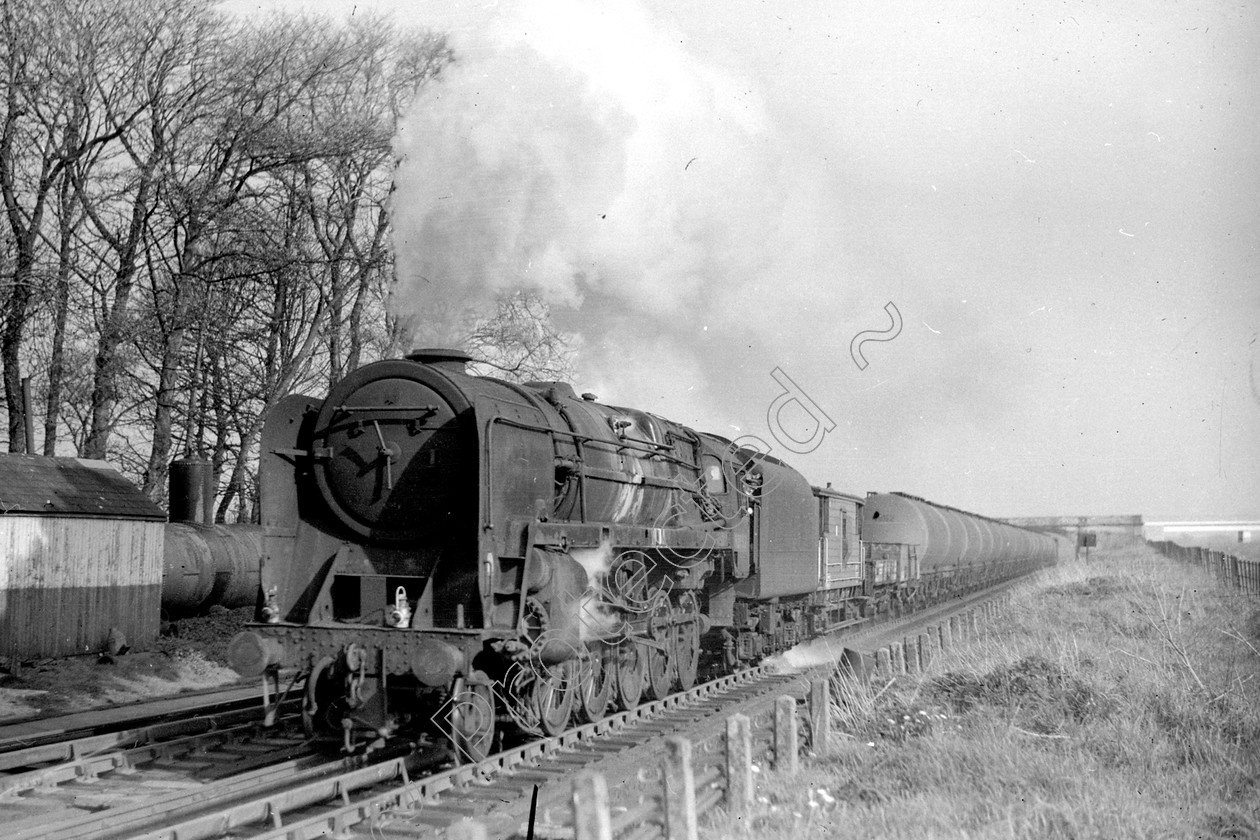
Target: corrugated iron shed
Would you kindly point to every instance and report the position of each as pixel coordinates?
(80, 554)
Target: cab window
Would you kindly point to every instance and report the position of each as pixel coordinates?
(714, 479)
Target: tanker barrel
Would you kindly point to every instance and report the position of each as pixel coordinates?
(210, 565)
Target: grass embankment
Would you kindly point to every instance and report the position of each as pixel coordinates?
(1118, 699)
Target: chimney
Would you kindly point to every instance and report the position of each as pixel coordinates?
(442, 358)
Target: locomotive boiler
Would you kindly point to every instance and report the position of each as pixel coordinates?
(444, 552)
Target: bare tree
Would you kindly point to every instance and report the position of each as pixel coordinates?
(333, 190)
(49, 133)
(196, 223)
(149, 98)
(248, 87)
(518, 341)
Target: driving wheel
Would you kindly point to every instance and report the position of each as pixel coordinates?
(659, 665)
(554, 689)
(595, 683)
(686, 640)
(629, 661)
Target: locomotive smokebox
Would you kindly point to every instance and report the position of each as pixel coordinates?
(442, 358)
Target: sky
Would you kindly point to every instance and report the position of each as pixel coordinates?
(1054, 201)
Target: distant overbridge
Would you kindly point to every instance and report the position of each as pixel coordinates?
(1130, 524)
(1233, 530)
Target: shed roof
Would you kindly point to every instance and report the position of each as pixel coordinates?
(32, 485)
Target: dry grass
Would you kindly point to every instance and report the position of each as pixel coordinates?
(1114, 700)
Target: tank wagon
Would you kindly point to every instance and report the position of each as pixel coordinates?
(205, 564)
(442, 552)
(917, 550)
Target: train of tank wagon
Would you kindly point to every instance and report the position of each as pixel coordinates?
(455, 555)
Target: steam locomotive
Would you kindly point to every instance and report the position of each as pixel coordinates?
(460, 555)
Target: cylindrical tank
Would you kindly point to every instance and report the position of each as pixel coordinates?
(191, 491)
(208, 565)
(948, 538)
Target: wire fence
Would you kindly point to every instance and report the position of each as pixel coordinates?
(1239, 572)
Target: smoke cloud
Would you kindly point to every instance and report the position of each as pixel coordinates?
(1058, 203)
(582, 152)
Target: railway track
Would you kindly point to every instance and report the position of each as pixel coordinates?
(202, 788)
(223, 775)
(385, 796)
(44, 766)
(52, 786)
(118, 720)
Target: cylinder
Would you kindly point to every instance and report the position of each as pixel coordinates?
(191, 491)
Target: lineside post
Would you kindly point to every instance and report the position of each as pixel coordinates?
(739, 775)
(680, 790)
(911, 647)
(785, 754)
(883, 662)
(820, 718)
(591, 819)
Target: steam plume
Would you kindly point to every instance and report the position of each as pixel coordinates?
(580, 151)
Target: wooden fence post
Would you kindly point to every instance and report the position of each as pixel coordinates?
(883, 662)
(591, 819)
(785, 755)
(911, 647)
(739, 775)
(820, 718)
(680, 790)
